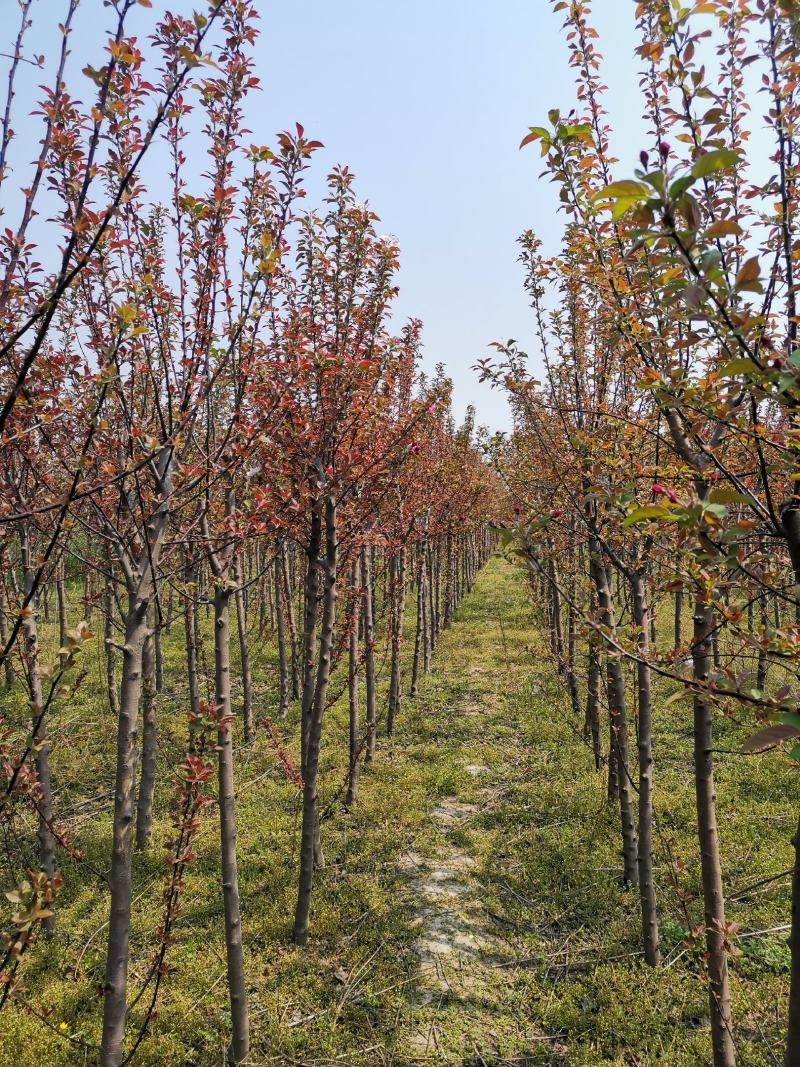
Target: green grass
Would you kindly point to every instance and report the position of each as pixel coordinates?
(565, 984)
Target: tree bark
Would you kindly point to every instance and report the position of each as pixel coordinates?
(109, 600)
(237, 990)
(139, 580)
(352, 692)
(369, 655)
(311, 591)
(283, 659)
(61, 598)
(618, 716)
(116, 981)
(647, 893)
(310, 823)
(420, 636)
(144, 806)
(397, 618)
(244, 651)
(44, 791)
(713, 895)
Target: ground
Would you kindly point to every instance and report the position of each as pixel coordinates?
(471, 910)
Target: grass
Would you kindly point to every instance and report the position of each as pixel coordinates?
(564, 984)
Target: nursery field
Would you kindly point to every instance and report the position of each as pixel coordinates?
(471, 909)
(378, 693)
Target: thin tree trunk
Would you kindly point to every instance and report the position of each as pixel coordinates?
(398, 616)
(290, 623)
(190, 635)
(139, 580)
(618, 715)
(109, 636)
(713, 895)
(244, 651)
(8, 665)
(283, 660)
(593, 705)
(158, 651)
(310, 825)
(572, 644)
(647, 893)
(420, 636)
(61, 598)
(237, 990)
(144, 806)
(116, 980)
(352, 692)
(309, 630)
(44, 792)
(369, 655)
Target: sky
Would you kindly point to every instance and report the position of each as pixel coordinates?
(426, 101)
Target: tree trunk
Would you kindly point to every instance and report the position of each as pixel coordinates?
(240, 1031)
(244, 651)
(713, 896)
(139, 580)
(397, 618)
(44, 792)
(352, 692)
(61, 597)
(158, 652)
(287, 590)
(190, 636)
(310, 801)
(116, 980)
(369, 655)
(8, 665)
(618, 716)
(283, 660)
(109, 636)
(309, 630)
(144, 806)
(647, 891)
(420, 636)
(593, 705)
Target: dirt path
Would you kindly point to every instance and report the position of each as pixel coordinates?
(459, 1010)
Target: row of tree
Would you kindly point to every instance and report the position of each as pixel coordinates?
(205, 415)
(655, 465)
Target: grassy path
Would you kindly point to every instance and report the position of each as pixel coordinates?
(470, 913)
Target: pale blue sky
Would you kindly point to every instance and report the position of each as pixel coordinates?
(426, 101)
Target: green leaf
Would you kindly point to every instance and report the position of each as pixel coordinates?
(627, 188)
(724, 495)
(679, 187)
(711, 162)
(738, 366)
(622, 205)
(650, 511)
(536, 133)
(720, 510)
